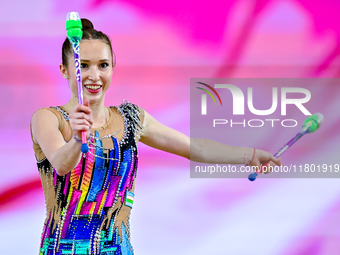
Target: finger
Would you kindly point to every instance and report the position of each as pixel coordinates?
(82, 115)
(83, 108)
(265, 168)
(268, 168)
(277, 161)
(87, 102)
(77, 122)
(81, 128)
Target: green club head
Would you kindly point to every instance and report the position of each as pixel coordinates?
(74, 26)
(313, 122)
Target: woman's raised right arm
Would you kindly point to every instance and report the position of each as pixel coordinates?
(64, 156)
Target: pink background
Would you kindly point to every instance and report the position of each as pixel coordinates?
(159, 47)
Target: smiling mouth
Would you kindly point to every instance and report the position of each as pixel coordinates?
(93, 88)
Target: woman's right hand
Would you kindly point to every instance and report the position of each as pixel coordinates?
(81, 119)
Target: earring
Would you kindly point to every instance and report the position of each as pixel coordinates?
(65, 76)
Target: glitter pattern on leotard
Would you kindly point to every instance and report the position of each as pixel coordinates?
(88, 209)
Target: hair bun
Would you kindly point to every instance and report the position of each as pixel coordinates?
(86, 24)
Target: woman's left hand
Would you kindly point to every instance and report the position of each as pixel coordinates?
(262, 159)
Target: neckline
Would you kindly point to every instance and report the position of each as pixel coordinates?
(119, 111)
(97, 128)
(106, 123)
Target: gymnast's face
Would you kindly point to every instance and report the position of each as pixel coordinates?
(96, 70)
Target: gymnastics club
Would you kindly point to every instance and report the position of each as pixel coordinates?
(310, 125)
(74, 34)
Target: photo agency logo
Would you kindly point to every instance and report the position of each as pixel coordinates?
(238, 105)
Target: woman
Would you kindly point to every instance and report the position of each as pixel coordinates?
(89, 197)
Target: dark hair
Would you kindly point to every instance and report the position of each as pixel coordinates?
(89, 33)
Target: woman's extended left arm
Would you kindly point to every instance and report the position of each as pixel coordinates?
(166, 139)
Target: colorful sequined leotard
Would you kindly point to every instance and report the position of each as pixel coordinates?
(88, 209)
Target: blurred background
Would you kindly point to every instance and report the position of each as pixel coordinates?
(159, 46)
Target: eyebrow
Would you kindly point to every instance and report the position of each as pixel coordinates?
(102, 60)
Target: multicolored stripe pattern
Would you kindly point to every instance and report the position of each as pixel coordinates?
(129, 198)
(82, 206)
